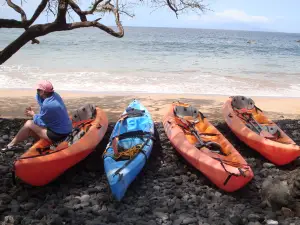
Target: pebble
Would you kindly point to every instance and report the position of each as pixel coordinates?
(156, 188)
(3, 169)
(28, 206)
(5, 137)
(253, 217)
(268, 165)
(272, 222)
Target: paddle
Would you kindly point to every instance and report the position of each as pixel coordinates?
(210, 145)
(261, 131)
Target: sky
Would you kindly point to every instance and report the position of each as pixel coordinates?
(257, 15)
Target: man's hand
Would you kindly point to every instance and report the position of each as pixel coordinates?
(29, 112)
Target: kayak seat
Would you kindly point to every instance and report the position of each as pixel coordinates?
(242, 104)
(189, 113)
(87, 111)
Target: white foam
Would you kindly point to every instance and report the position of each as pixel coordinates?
(20, 76)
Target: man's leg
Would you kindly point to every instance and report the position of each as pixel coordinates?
(27, 130)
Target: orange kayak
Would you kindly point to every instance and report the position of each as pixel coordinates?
(204, 147)
(44, 161)
(255, 129)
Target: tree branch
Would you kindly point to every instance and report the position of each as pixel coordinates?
(82, 14)
(9, 23)
(94, 7)
(17, 9)
(77, 9)
(62, 11)
(37, 12)
(23, 17)
(174, 9)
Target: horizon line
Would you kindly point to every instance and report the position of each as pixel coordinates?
(199, 28)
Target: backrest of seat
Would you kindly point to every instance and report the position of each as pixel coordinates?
(242, 102)
(272, 129)
(87, 111)
(190, 111)
(132, 112)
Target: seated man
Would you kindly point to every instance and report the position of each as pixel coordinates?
(52, 123)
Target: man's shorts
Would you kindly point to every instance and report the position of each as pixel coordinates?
(55, 136)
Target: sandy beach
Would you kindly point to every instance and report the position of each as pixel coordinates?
(13, 103)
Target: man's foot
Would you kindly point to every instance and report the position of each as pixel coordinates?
(11, 148)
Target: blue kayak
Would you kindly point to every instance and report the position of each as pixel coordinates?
(134, 134)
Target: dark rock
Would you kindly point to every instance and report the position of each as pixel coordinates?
(28, 206)
(15, 206)
(178, 194)
(26, 221)
(156, 188)
(112, 217)
(161, 215)
(177, 221)
(3, 208)
(56, 220)
(235, 219)
(97, 221)
(177, 205)
(62, 212)
(218, 194)
(22, 196)
(268, 165)
(76, 206)
(276, 193)
(5, 137)
(5, 198)
(151, 222)
(189, 220)
(163, 209)
(92, 190)
(103, 198)
(178, 180)
(10, 153)
(40, 213)
(253, 217)
(286, 212)
(138, 210)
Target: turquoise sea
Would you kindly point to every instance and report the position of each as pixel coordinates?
(159, 60)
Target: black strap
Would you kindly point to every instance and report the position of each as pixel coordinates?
(256, 108)
(202, 133)
(230, 174)
(41, 150)
(117, 172)
(201, 143)
(227, 179)
(132, 134)
(248, 121)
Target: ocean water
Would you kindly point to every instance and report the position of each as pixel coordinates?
(159, 60)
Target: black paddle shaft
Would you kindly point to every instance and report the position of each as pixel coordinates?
(193, 130)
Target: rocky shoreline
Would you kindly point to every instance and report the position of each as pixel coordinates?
(167, 191)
